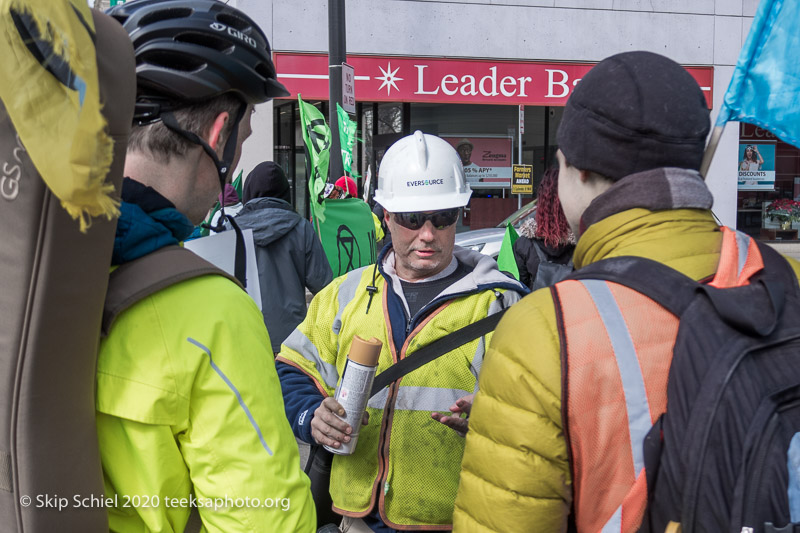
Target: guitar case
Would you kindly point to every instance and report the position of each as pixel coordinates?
(53, 282)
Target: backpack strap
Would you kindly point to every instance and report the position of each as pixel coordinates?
(138, 279)
(675, 292)
(670, 288)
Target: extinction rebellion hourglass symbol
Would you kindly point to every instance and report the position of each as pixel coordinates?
(346, 243)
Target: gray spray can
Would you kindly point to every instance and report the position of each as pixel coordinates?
(354, 388)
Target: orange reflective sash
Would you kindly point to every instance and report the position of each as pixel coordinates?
(617, 352)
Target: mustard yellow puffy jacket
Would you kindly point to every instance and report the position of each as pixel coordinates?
(515, 474)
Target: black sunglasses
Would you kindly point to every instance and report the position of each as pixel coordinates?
(439, 219)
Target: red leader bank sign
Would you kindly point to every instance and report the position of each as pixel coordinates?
(454, 81)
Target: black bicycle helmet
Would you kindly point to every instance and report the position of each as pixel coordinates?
(193, 50)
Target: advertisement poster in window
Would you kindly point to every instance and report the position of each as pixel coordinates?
(756, 166)
(486, 159)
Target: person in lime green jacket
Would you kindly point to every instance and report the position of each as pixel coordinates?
(190, 416)
(631, 142)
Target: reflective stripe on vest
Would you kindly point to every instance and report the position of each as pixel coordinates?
(346, 293)
(618, 350)
(298, 342)
(419, 399)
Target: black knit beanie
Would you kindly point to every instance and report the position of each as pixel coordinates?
(266, 180)
(633, 112)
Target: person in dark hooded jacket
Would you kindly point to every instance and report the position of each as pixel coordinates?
(289, 254)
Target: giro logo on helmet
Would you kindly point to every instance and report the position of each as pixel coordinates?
(233, 32)
(418, 183)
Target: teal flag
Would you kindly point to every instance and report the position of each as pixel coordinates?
(505, 259)
(765, 88)
(317, 137)
(347, 234)
(347, 137)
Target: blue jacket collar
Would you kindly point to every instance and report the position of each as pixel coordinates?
(147, 222)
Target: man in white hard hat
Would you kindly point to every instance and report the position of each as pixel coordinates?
(404, 471)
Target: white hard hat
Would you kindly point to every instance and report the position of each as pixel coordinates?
(421, 173)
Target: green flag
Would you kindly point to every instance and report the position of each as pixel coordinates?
(317, 136)
(347, 234)
(347, 136)
(237, 184)
(505, 259)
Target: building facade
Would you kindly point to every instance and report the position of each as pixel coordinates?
(478, 71)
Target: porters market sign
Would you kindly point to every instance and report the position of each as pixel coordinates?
(455, 81)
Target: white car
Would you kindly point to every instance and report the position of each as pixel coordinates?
(488, 240)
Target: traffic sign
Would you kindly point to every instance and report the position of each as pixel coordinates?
(348, 88)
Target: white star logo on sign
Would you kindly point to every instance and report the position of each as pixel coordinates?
(389, 78)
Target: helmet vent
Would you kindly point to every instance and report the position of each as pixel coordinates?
(165, 14)
(422, 149)
(233, 21)
(264, 71)
(173, 61)
(206, 40)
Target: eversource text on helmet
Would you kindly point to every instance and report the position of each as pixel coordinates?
(422, 183)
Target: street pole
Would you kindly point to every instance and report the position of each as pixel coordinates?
(337, 54)
(520, 129)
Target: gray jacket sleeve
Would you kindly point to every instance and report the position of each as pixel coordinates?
(318, 270)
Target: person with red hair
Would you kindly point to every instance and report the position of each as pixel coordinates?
(544, 249)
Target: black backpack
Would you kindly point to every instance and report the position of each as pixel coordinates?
(548, 272)
(717, 460)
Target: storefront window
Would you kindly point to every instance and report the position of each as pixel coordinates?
(290, 152)
(768, 170)
(390, 118)
(365, 148)
(487, 139)
(487, 134)
(284, 136)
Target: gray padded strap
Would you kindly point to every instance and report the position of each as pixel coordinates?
(147, 275)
